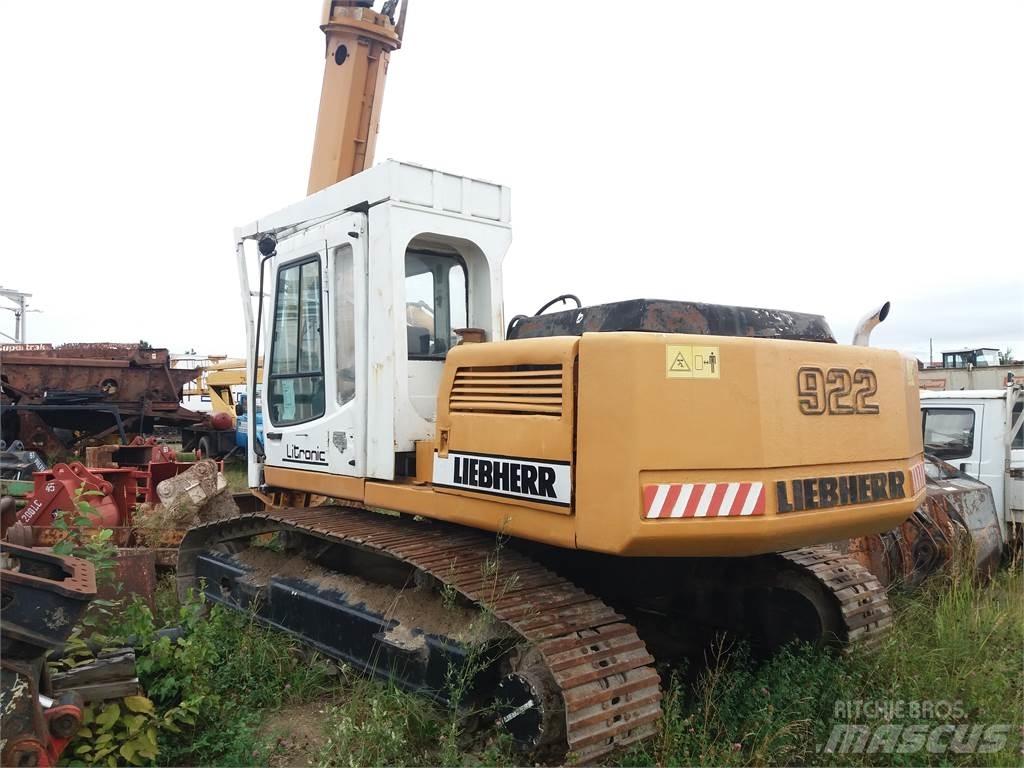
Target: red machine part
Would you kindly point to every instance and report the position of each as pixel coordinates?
(221, 420)
(63, 719)
(158, 453)
(110, 493)
(36, 728)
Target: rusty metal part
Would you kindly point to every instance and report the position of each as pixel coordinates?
(134, 574)
(66, 486)
(601, 668)
(958, 521)
(8, 511)
(152, 462)
(121, 373)
(856, 597)
(42, 596)
(675, 317)
(139, 453)
(24, 730)
(35, 728)
(92, 390)
(111, 493)
(28, 428)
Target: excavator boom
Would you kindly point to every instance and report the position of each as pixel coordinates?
(359, 42)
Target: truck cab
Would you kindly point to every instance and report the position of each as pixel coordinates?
(980, 432)
(242, 417)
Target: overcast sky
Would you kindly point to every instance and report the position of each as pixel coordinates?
(814, 156)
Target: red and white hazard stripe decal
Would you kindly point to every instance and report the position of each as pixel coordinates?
(668, 500)
(917, 477)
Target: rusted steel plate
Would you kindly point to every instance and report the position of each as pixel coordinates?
(81, 387)
(958, 514)
(135, 572)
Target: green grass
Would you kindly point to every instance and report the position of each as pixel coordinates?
(236, 473)
(954, 644)
(227, 670)
(378, 724)
(956, 647)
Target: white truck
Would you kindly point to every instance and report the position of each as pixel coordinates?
(980, 432)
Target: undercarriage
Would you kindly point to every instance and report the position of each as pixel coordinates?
(563, 649)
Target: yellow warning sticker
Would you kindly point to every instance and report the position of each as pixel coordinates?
(683, 361)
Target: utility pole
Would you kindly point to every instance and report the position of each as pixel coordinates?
(20, 300)
(931, 354)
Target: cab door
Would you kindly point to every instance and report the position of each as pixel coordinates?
(314, 386)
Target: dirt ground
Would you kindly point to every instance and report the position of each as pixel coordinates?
(295, 734)
(415, 610)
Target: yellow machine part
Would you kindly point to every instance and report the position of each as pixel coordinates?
(219, 380)
(753, 420)
(358, 46)
(825, 435)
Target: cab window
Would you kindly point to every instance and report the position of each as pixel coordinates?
(345, 323)
(948, 432)
(435, 302)
(296, 392)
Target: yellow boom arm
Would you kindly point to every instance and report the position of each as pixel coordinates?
(359, 44)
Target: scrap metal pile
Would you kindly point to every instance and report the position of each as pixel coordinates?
(140, 492)
(44, 595)
(57, 399)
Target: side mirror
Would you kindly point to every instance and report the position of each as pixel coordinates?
(240, 409)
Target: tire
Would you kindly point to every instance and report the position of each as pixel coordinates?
(203, 448)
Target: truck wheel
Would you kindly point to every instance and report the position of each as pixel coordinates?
(203, 449)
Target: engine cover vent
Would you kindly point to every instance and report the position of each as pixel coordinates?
(533, 390)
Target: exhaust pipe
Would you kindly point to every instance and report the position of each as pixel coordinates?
(862, 335)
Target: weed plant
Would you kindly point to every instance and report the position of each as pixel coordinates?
(953, 640)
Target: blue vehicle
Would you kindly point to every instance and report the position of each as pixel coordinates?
(242, 420)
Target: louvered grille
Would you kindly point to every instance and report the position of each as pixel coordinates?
(521, 389)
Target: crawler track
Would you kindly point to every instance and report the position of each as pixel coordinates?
(861, 598)
(604, 675)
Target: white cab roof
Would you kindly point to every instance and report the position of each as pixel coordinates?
(398, 182)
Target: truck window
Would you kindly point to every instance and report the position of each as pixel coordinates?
(296, 357)
(1018, 439)
(344, 323)
(949, 432)
(435, 302)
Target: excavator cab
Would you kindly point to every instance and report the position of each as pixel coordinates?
(370, 281)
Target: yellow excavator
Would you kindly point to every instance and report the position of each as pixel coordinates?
(548, 509)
